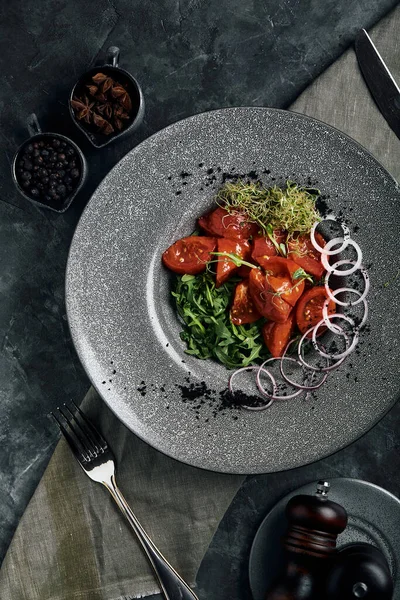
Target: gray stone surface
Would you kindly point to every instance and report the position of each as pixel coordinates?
(189, 57)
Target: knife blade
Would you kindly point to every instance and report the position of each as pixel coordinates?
(380, 81)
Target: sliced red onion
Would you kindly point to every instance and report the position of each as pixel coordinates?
(262, 389)
(325, 321)
(362, 296)
(338, 291)
(327, 251)
(332, 268)
(299, 385)
(252, 368)
(329, 367)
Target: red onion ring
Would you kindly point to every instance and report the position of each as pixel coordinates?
(332, 268)
(262, 389)
(252, 368)
(322, 369)
(338, 291)
(325, 321)
(299, 385)
(324, 250)
(362, 296)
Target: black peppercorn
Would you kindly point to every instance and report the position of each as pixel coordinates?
(34, 192)
(26, 176)
(61, 189)
(74, 173)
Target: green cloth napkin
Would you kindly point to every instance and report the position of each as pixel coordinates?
(72, 544)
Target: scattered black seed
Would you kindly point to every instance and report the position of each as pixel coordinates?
(210, 171)
(114, 371)
(201, 164)
(169, 177)
(178, 193)
(185, 174)
(103, 382)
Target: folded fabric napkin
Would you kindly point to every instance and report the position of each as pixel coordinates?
(72, 543)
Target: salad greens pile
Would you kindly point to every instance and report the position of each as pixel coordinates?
(208, 330)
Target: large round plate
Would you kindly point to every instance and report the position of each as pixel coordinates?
(124, 325)
(373, 518)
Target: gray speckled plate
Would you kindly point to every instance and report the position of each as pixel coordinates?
(124, 325)
(373, 518)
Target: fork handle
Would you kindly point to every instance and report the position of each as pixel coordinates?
(172, 585)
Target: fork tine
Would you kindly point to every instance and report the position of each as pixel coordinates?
(92, 446)
(78, 432)
(79, 453)
(92, 431)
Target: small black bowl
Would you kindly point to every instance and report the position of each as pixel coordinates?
(112, 69)
(36, 135)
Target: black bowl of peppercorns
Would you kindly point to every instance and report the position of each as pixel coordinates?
(48, 169)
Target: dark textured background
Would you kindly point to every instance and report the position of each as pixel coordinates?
(189, 56)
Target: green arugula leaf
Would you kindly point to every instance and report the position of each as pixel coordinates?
(208, 331)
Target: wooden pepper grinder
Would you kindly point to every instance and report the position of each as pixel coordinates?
(310, 543)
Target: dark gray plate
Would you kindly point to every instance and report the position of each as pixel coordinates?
(124, 325)
(374, 517)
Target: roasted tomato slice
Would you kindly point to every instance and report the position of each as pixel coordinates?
(244, 271)
(243, 309)
(189, 255)
(309, 308)
(225, 266)
(277, 267)
(233, 225)
(269, 303)
(277, 335)
(263, 246)
(303, 253)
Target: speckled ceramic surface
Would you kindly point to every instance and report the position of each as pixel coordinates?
(373, 518)
(124, 325)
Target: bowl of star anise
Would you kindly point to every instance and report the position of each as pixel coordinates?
(107, 102)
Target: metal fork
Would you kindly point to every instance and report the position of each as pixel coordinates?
(97, 460)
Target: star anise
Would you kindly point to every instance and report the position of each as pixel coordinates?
(99, 78)
(107, 84)
(83, 108)
(120, 113)
(121, 95)
(105, 110)
(92, 89)
(118, 90)
(104, 125)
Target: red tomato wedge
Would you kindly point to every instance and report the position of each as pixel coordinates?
(283, 269)
(189, 255)
(263, 246)
(303, 253)
(243, 309)
(233, 225)
(244, 271)
(268, 303)
(309, 308)
(225, 266)
(277, 335)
